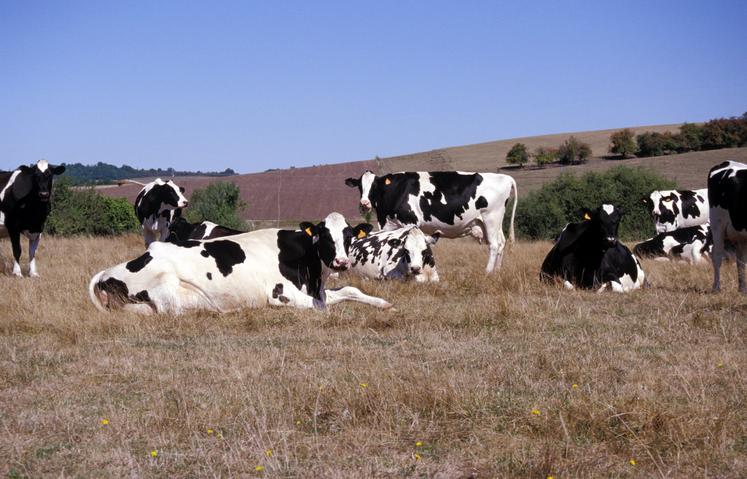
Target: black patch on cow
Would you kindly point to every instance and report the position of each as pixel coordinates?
(452, 188)
(115, 288)
(277, 290)
(139, 263)
(730, 193)
(390, 200)
(428, 258)
(299, 262)
(689, 204)
(209, 276)
(142, 297)
(668, 209)
(198, 232)
(187, 243)
(481, 203)
(226, 253)
(365, 249)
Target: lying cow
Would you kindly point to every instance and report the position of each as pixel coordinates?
(675, 209)
(689, 244)
(589, 255)
(155, 207)
(451, 203)
(181, 230)
(272, 266)
(398, 254)
(727, 195)
(24, 207)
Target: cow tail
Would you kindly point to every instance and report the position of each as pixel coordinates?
(511, 236)
(92, 287)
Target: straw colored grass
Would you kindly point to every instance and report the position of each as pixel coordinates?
(492, 376)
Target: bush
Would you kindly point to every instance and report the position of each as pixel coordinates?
(543, 213)
(517, 155)
(657, 144)
(623, 143)
(86, 212)
(689, 137)
(218, 202)
(544, 156)
(724, 133)
(573, 151)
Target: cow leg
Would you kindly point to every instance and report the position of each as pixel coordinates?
(717, 254)
(496, 241)
(15, 242)
(287, 295)
(33, 244)
(429, 274)
(349, 293)
(741, 259)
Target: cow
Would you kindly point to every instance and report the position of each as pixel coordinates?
(180, 230)
(675, 209)
(727, 195)
(451, 203)
(24, 207)
(589, 255)
(398, 254)
(270, 266)
(689, 244)
(156, 205)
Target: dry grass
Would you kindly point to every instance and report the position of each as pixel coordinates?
(460, 366)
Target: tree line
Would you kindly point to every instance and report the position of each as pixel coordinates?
(103, 173)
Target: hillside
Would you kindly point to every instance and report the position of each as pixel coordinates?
(311, 193)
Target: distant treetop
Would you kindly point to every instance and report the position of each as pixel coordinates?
(103, 173)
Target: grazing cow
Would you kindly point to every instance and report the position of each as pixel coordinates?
(727, 195)
(689, 244)
(271, 266)
(24, 207)
(451, 203)
(156, 205)
(397, 254)
(675, 209)
(589, 255)
(182, 230)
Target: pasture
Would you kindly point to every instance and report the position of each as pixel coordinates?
(472, 377)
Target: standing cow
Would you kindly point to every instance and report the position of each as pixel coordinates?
(271, 266)
(24, 207)
(589, 255)
(156, 206)
(397, 254)
(675, 209)
(451, 203)
(727, 194)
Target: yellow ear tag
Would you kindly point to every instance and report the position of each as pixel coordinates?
(387, 181)
(361, 234)
(586, 216)
(308, 231)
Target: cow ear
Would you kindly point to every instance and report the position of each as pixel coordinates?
(58, 170)
(22, 185)
(353, 182)
(620, 210)
(182, 189)
(362, 230)
(585, 213)
(432, 239)
(308, 228)
(24, 168)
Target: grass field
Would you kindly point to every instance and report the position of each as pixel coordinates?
(476, 376)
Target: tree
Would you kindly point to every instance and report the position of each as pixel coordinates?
(517, 155)
(219, 202)
(623, 143)
(544, 156)
(657, 144)
(573, 151)
(690, 137)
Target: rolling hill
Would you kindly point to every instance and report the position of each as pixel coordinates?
(284, 195)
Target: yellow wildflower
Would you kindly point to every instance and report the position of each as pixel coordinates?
(720, 364)
(550, 477)
(259, 468)
(298, 422)
(419, 444)
(364, 385)
(268, 453)
(536, 412)
(104, 422)
(153, 453)
(632, 462)
(574, 386)
(210, 432)
(417, 456)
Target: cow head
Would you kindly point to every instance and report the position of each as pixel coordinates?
(332, 238)
(663, 206)
(36, 180)
(416, 249)
(170, 193)
(605, 220)
(366, 185)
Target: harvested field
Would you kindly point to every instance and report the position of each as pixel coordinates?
(472, 377)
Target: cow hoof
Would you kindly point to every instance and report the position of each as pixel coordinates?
(33, 275)
(17, 275)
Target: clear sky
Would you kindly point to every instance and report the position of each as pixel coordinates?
(256, 85)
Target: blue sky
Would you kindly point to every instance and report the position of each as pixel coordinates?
(257, 85)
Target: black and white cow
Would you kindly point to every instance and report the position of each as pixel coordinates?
(727, 195)
(675, 209)
(155, 207)
(271, 266)
(398, 254)
(451, 203)
(181, 230)
(589, 255)
(24, 207)
(690, 244)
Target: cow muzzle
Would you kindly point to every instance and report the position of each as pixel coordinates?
(415, 269)
(44, 196)
(340, 264)
(364, 206)
(183, 204)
